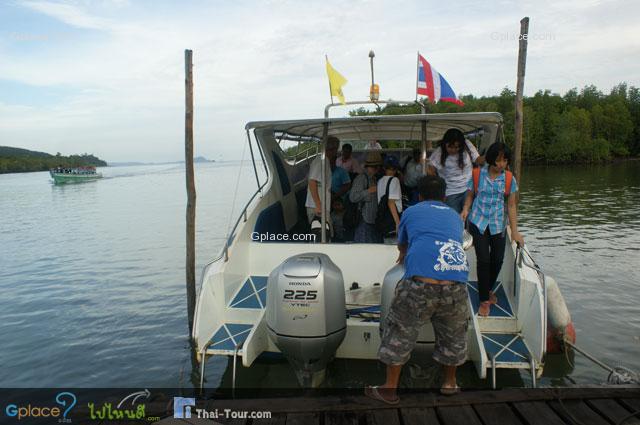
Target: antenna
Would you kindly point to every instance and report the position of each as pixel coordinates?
(374, 92)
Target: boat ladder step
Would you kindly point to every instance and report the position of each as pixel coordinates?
(228, 339)
(507, 351)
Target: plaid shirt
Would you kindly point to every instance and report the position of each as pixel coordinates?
(488, 206)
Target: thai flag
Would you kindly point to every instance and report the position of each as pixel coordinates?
(433, 85)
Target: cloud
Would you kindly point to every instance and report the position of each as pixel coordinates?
(124, 69)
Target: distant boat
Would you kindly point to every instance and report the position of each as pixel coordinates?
(74, 175)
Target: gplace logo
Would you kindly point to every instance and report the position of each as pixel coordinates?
(182, 407)
(65, 399)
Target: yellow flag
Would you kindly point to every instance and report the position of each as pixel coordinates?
(336, 81)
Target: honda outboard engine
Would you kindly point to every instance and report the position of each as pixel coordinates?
(306, 315)
(388, 293)
(391, 279)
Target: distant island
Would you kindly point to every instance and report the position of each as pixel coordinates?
(16, 160)
(197, 159)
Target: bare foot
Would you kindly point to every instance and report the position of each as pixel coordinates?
(484, 309)
(492, 298)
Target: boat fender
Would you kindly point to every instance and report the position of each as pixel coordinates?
(559, 324)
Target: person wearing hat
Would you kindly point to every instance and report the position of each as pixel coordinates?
(364, 194)
(392, 182)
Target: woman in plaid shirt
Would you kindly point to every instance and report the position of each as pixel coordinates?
(488, 220)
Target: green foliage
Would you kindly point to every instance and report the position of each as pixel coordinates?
(16, 160)
(581, 126)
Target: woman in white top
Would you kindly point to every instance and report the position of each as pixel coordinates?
(391, 166)
(453, 160)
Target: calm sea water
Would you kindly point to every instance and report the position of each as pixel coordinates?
(92, 275)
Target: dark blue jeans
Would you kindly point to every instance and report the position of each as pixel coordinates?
(489, 255)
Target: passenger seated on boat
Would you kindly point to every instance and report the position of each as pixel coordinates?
(488, 190)
(364, 195)
(433, 288)
(314, 200)
(337, 220)
(348, 162)
(412, 171)
(340, 180)
(373, 145)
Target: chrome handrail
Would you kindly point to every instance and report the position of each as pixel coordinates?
(369, 102)
(303, 152)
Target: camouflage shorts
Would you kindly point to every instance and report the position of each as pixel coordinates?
(414, 304)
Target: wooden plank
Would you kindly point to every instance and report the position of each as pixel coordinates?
(633, 404)
(537, 413)
(383, 417)
(340, 418)
(232, 421)
(456, 415)
(496, 413)
(612, 410)
(418, 416)
(357, 402)
(303, 419)
(577, 411)
(276, 419)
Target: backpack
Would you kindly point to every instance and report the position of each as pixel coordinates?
(352, 214)
(508, 178)
(384, 220)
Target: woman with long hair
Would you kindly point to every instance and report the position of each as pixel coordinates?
(453, 161)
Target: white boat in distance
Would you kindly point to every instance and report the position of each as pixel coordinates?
(300, 299)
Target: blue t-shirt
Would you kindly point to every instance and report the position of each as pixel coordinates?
(339, 176)
(434, 234)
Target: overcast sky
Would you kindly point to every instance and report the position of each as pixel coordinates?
(107, 76)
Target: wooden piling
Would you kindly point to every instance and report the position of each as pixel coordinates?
(522, 62)
(191, 189)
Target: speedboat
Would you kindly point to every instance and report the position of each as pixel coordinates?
(62, 175)
(316, 301)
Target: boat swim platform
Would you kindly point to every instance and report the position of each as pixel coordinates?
(252, 295)
(542, 406)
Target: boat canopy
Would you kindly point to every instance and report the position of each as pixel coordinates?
(384, 127)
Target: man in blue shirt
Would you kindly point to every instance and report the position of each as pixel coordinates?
(433, 289)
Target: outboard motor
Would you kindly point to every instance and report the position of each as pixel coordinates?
(423, 347)
(391, 279)
(306, 315)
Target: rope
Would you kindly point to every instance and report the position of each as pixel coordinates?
(235, 193)
(617, 376)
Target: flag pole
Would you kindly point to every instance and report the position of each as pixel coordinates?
(417, 73)
(326, 57)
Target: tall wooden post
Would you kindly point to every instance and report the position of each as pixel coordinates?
(522, 62)
(191, 188)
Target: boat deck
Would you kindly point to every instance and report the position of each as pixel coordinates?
(549, 406)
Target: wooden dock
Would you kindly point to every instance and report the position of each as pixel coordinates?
(548, 406)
